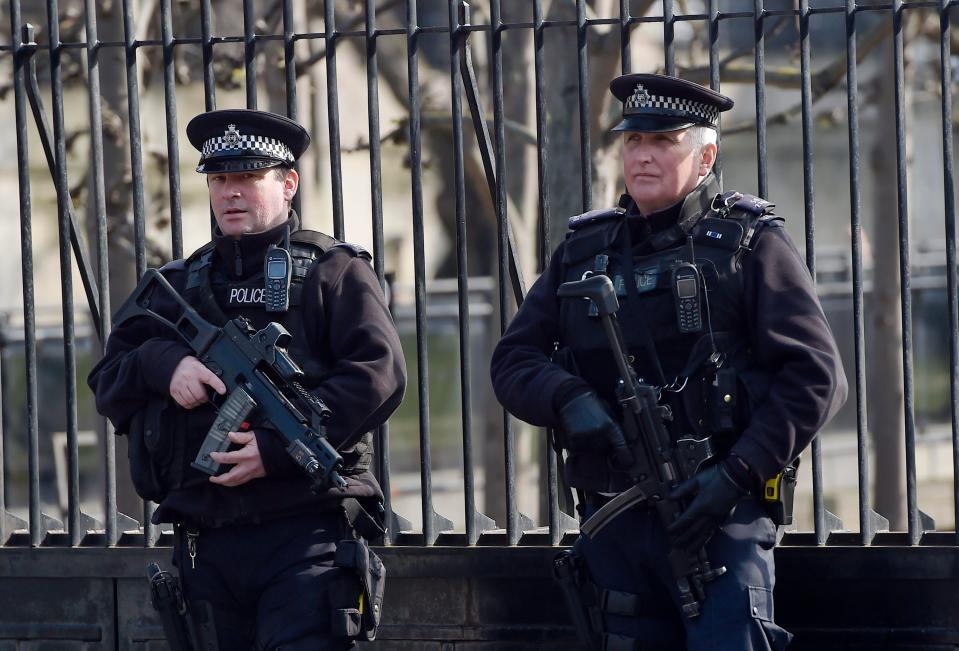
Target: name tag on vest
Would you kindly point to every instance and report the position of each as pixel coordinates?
(646, 280)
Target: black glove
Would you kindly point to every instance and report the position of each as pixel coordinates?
(589, 428)
(716, 493)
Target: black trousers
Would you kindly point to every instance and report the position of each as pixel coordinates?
(630, 555)
(268, 585)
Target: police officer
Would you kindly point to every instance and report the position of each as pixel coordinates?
(739, 349)
(255, 548)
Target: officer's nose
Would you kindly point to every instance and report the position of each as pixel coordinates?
(644, 154)
(231, 188)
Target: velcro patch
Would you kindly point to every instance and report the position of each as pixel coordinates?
(720, 233)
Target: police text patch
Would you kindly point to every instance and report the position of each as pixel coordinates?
(245, 296)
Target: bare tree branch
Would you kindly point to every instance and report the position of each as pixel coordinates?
(822, 81)
(302, 67)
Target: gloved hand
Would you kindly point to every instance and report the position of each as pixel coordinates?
(716, 493)
(589, 428)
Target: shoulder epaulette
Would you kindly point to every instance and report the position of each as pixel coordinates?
(594, 216)
(755, 205)
(726, 203)
(174, 265)
(208, 247)
(357, 250)
(325, 243)
(322, 241)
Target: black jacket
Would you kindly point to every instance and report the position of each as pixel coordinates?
(353, 339)
(787, 331)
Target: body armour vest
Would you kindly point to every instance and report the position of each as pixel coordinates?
(213, 295)
(708, 378)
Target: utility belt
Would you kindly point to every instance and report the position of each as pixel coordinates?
(357, 608)
(356, 596)
(777, 495)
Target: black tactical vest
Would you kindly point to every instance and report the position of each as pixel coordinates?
(210, 291)
(710, 377)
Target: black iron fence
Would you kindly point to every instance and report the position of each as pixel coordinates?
(487, 230)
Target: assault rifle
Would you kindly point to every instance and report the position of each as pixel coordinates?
(259, 376)
(653, 462)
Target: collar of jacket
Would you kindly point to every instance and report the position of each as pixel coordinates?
(694, 206)
(243, 257)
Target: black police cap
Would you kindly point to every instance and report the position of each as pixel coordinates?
(239, 140)
(663, 103)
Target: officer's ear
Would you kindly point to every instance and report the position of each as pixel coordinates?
(707, 158)
(290, 184)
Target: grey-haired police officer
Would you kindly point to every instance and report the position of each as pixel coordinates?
(750, 360)
(255, 548)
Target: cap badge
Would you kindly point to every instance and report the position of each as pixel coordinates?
(641, 96)
(231, 137)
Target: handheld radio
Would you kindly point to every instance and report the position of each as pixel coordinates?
(277, 267)
(686, 295)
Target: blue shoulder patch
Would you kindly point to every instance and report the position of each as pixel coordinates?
(753, 204)
(594, 216)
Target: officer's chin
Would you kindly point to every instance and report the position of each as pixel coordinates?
(234, 226)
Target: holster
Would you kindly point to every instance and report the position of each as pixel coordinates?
(167, 600)
(357, 606)
(569, 570)
(778, 494)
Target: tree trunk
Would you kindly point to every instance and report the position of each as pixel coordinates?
(885, 391)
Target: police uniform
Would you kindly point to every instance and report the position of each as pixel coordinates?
(762, 376)
(258, 562)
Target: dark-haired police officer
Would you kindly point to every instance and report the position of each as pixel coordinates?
(753, 363)
(253, 546)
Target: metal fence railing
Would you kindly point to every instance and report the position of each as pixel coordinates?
(449, 39)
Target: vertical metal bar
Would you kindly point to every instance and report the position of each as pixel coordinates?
(26, 253)
(819, 513)
(669, 45)
(136, 146)
(625, 58)
(462, 271)
(513, 533)
(419, 269)
(169, 105)
(376, 201)
(759, 14)
(103, 281)
(915, 531)
(542, 138)
(949, 198)
(4, 371)
(855, 224)
(543, 236)
(150, 530)
(714, 44)
(289, 59)
(206, 32)
(585, 148)
(714, 75)
(333, 117)
(66, 267)
(289, 67)
(249, 53)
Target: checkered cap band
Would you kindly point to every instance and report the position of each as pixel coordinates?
(259, 145)
(642, 102)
